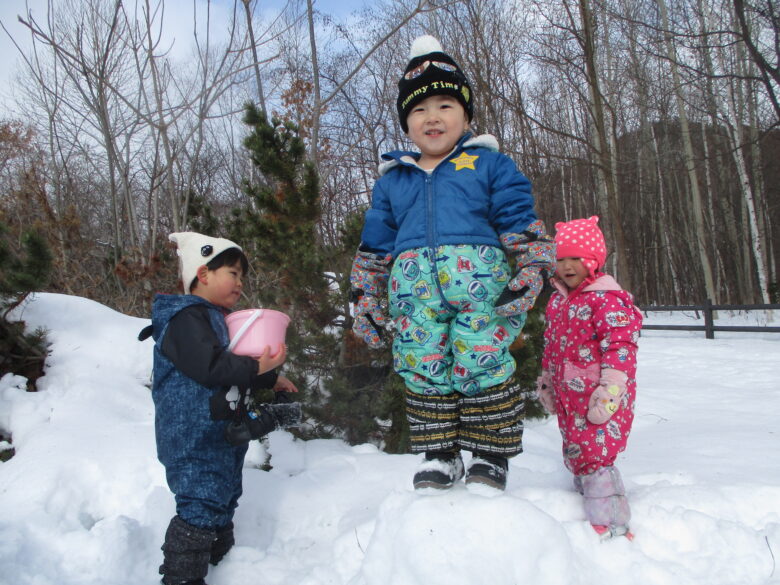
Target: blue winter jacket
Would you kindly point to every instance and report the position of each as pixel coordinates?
(472, 197)
(192, 373)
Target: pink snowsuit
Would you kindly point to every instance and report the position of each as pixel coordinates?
(595, 326)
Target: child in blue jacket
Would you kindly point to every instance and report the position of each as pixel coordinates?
(442, 224)
(200, 392)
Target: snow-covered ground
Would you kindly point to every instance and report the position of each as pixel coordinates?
(84, 500)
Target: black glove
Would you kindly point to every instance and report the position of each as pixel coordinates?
(286, 414)
(255, 424)
(282, 397)
(260, 421)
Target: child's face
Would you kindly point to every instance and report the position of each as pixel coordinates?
(571, 271)
(222, 286)
(435, 126)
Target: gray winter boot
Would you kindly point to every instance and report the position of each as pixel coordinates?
(606, 505)
(186, 553)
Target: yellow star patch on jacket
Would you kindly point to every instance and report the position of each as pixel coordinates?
(464, 161)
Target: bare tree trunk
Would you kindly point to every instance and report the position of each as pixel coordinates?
(734, 106)
(759, 185)
(315, 126)
(132, 213)
(161, 125)
(690, 163)
(154, 205)
(721, 281)
(255, 61)
(608, 202)
(661, 225)
(770, 73)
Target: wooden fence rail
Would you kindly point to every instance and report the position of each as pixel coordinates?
(709, 327)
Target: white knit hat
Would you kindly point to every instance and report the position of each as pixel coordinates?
(196, 250)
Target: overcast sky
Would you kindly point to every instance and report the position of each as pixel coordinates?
(9, 10)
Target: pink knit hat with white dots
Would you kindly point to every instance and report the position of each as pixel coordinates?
(581, 238)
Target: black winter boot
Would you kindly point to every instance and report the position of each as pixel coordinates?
(186, 553)
(488, 469)
(440, 470)
(221, 546)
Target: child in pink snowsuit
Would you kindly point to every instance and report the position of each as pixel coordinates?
(589, 370)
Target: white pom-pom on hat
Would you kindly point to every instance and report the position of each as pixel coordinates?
(424, 45)
(420, 81)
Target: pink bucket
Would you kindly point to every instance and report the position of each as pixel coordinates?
(252, 330)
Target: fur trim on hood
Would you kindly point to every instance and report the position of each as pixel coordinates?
(482, 141)
(601, 282)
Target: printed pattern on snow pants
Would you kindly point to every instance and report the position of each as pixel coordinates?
(588, 447)
(590, 330)
(448, 336)
(206, 492)
(433, 421)
(491, 422)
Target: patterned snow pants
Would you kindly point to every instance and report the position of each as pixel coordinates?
(452, 349)
(491, 422)
(588, 447)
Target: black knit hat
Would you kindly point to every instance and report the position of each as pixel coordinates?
(431, 71)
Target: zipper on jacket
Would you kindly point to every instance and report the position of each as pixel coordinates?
(431, 229)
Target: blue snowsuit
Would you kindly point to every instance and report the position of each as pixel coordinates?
(193, 372)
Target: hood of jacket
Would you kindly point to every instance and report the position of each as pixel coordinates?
(601, 282)
(468, 140)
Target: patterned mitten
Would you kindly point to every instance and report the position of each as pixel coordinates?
(606, 398)
(369, 276)
(535, 261)
(544, 391)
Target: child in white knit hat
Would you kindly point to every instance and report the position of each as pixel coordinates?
(445, 223)
(200, 392)
(589, 370)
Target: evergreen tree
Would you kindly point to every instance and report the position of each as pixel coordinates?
(278, 232)
(350, 391)
(25, 265)
(366, 397)
(527, 351)
(280, 224)
(201, 216)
